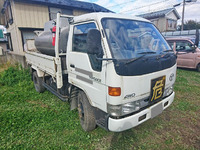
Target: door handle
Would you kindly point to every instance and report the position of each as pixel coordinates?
(72, 65)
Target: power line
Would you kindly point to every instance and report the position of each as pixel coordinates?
(170, 5)
(121, 4)
(144, 6)
(155, 4)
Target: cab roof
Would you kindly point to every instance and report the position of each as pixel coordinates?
(100, 15)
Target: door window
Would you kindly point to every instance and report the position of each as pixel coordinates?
(79, 43)
(80, 37)
(171, 44)
(183, 46)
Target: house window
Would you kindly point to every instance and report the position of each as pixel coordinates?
(53, 12)
(1, 34)
(28, 34)
(171, 24)
(9, 45)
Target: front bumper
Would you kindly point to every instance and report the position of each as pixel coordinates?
(117, 125)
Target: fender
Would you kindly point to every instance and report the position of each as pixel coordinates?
(39, 72)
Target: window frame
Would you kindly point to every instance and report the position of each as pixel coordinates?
(9, 44)
(172, 42)
(94, 68)
(92, 21)
(23, 30)
(172, 25)
(183, 41)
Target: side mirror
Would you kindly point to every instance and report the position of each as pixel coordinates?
(94, 42)
(193, 48)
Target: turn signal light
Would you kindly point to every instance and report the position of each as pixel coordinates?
(114, 91)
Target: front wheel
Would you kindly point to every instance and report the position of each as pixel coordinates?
(198, 67)
(86, 113)
(38, 83)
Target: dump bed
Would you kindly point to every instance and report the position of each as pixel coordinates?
(50, 65)
(42, 62)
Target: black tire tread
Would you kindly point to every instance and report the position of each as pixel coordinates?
(89, 123)
(198, 67)
(38, 86)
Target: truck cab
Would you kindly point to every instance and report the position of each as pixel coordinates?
(120, 71)
(125, 68)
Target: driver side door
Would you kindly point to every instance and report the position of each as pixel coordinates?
(185, 55)
(85, 71)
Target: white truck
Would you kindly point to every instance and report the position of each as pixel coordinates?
(117, 70)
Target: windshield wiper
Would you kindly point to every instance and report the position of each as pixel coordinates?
(134, 59)
(147, 52)
(169, 50)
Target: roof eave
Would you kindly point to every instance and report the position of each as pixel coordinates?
(67, 6)
(175, 12)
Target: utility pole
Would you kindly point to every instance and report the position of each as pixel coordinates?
(183, 15)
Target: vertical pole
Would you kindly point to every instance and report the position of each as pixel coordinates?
(59, 80)
(57, 35)
(183, 15)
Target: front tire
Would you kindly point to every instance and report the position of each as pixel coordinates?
(86, 113)
(198, 67)
(38, 83)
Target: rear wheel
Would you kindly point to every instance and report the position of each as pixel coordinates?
(198, 67)
(38, 83)
(86, 114)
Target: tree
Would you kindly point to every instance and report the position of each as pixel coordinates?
(191, 24)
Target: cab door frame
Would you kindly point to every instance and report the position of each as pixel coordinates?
(81, 74)
(186, 60)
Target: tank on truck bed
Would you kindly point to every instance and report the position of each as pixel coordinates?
(48, 59)
(43, 42)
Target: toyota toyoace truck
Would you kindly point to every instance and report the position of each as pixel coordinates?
(117, 70)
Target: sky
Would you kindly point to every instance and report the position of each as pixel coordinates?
(136, 7)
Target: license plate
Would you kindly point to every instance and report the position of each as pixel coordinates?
(157, 89)
(155, 111)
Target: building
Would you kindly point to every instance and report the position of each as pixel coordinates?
(23, 17)
(3, 44)
(164, 20)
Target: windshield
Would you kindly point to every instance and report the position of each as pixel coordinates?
(130, 39)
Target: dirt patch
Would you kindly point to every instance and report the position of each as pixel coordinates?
(39, 103)
(104, 143)
(186, 129)
(191, 132)
(3, 67)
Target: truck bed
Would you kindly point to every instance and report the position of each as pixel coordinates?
(45, 63)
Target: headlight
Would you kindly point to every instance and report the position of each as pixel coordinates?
(120, 110)
(168, 91)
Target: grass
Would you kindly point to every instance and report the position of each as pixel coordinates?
(29, 120)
